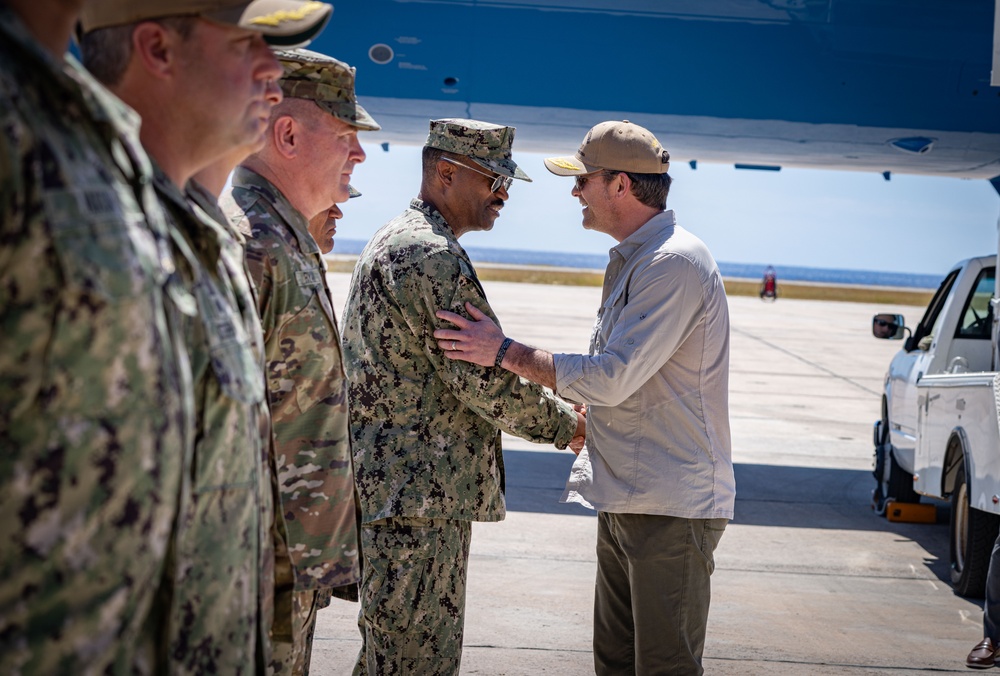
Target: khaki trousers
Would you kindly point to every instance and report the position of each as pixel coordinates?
(653, 592)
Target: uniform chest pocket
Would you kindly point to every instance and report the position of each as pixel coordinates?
(103, 249)
(310, 346)
(230, 350)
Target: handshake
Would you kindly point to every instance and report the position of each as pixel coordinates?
(580, 438)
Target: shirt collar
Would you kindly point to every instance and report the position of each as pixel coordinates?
(659, 223)
(249, 179)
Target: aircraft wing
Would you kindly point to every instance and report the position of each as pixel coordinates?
(871, 85)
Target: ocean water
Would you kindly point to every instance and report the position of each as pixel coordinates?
(739, 270)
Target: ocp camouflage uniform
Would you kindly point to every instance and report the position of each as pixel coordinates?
(218, 617)
(318, 554)
(426, 436)
(95, 392)
(308, 393)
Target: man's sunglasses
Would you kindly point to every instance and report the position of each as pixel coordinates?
(505, 181)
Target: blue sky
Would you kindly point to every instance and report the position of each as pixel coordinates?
(793, 217)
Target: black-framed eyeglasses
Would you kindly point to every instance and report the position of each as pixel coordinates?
(498, 181)
(884, 324)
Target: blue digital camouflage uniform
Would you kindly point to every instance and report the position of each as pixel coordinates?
(308, 393)
(218, 613)
(95, 392)
(426, 436)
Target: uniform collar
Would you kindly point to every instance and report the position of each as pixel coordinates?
(249, 179)
(202, 235)
(440, 227)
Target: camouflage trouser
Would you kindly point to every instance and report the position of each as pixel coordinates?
(293, 657)
(413, 596)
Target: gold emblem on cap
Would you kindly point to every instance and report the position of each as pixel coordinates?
(565, 164)
(281, 16)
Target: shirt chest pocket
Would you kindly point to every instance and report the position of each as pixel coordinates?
(609, 316)
(104, 248)
(310, 345)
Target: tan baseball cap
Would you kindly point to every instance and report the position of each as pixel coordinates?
(283, 23)
(326, 81)
(619, 146)
(486, 144)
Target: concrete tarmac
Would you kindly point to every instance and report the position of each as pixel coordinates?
(808, 580)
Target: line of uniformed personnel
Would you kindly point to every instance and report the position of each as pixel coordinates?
(193, 461)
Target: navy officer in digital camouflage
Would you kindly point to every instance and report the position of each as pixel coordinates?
(310, 151)
(95, 393)
(426, 429)
(202, 75)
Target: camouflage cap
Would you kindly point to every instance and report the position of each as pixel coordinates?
(328, 82)
(619, 146)
(283, 23)
(352, 191)
(488, 145)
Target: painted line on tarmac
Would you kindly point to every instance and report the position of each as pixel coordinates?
(804, 360)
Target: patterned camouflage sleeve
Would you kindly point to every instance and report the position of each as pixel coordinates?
(259, 265)
(515, 405)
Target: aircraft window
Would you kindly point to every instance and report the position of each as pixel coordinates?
(977, 315)
(924, 328)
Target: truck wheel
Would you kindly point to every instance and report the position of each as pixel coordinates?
(973, 533)
(892, 482)
(899, 487)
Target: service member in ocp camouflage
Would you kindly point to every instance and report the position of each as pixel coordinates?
(95, 393)
(305, 166)
(203, 83)
(425, 429)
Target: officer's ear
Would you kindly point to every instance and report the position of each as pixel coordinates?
(156, 48)
(286, 136)
(444, 171)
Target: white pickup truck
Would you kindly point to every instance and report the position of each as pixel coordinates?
(938, 434)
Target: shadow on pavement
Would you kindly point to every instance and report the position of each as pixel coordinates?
(766, 495)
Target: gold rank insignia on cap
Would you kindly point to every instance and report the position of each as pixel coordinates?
(283, 15)
(566, 164)
(282, 23)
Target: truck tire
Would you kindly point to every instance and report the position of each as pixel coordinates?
(892, 482)
(899, 487)
(973, 533)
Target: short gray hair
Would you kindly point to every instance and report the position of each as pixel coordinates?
(429, 159)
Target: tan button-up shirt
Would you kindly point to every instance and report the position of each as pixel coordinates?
(656, 382)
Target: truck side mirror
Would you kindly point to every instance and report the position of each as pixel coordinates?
(888, 326)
